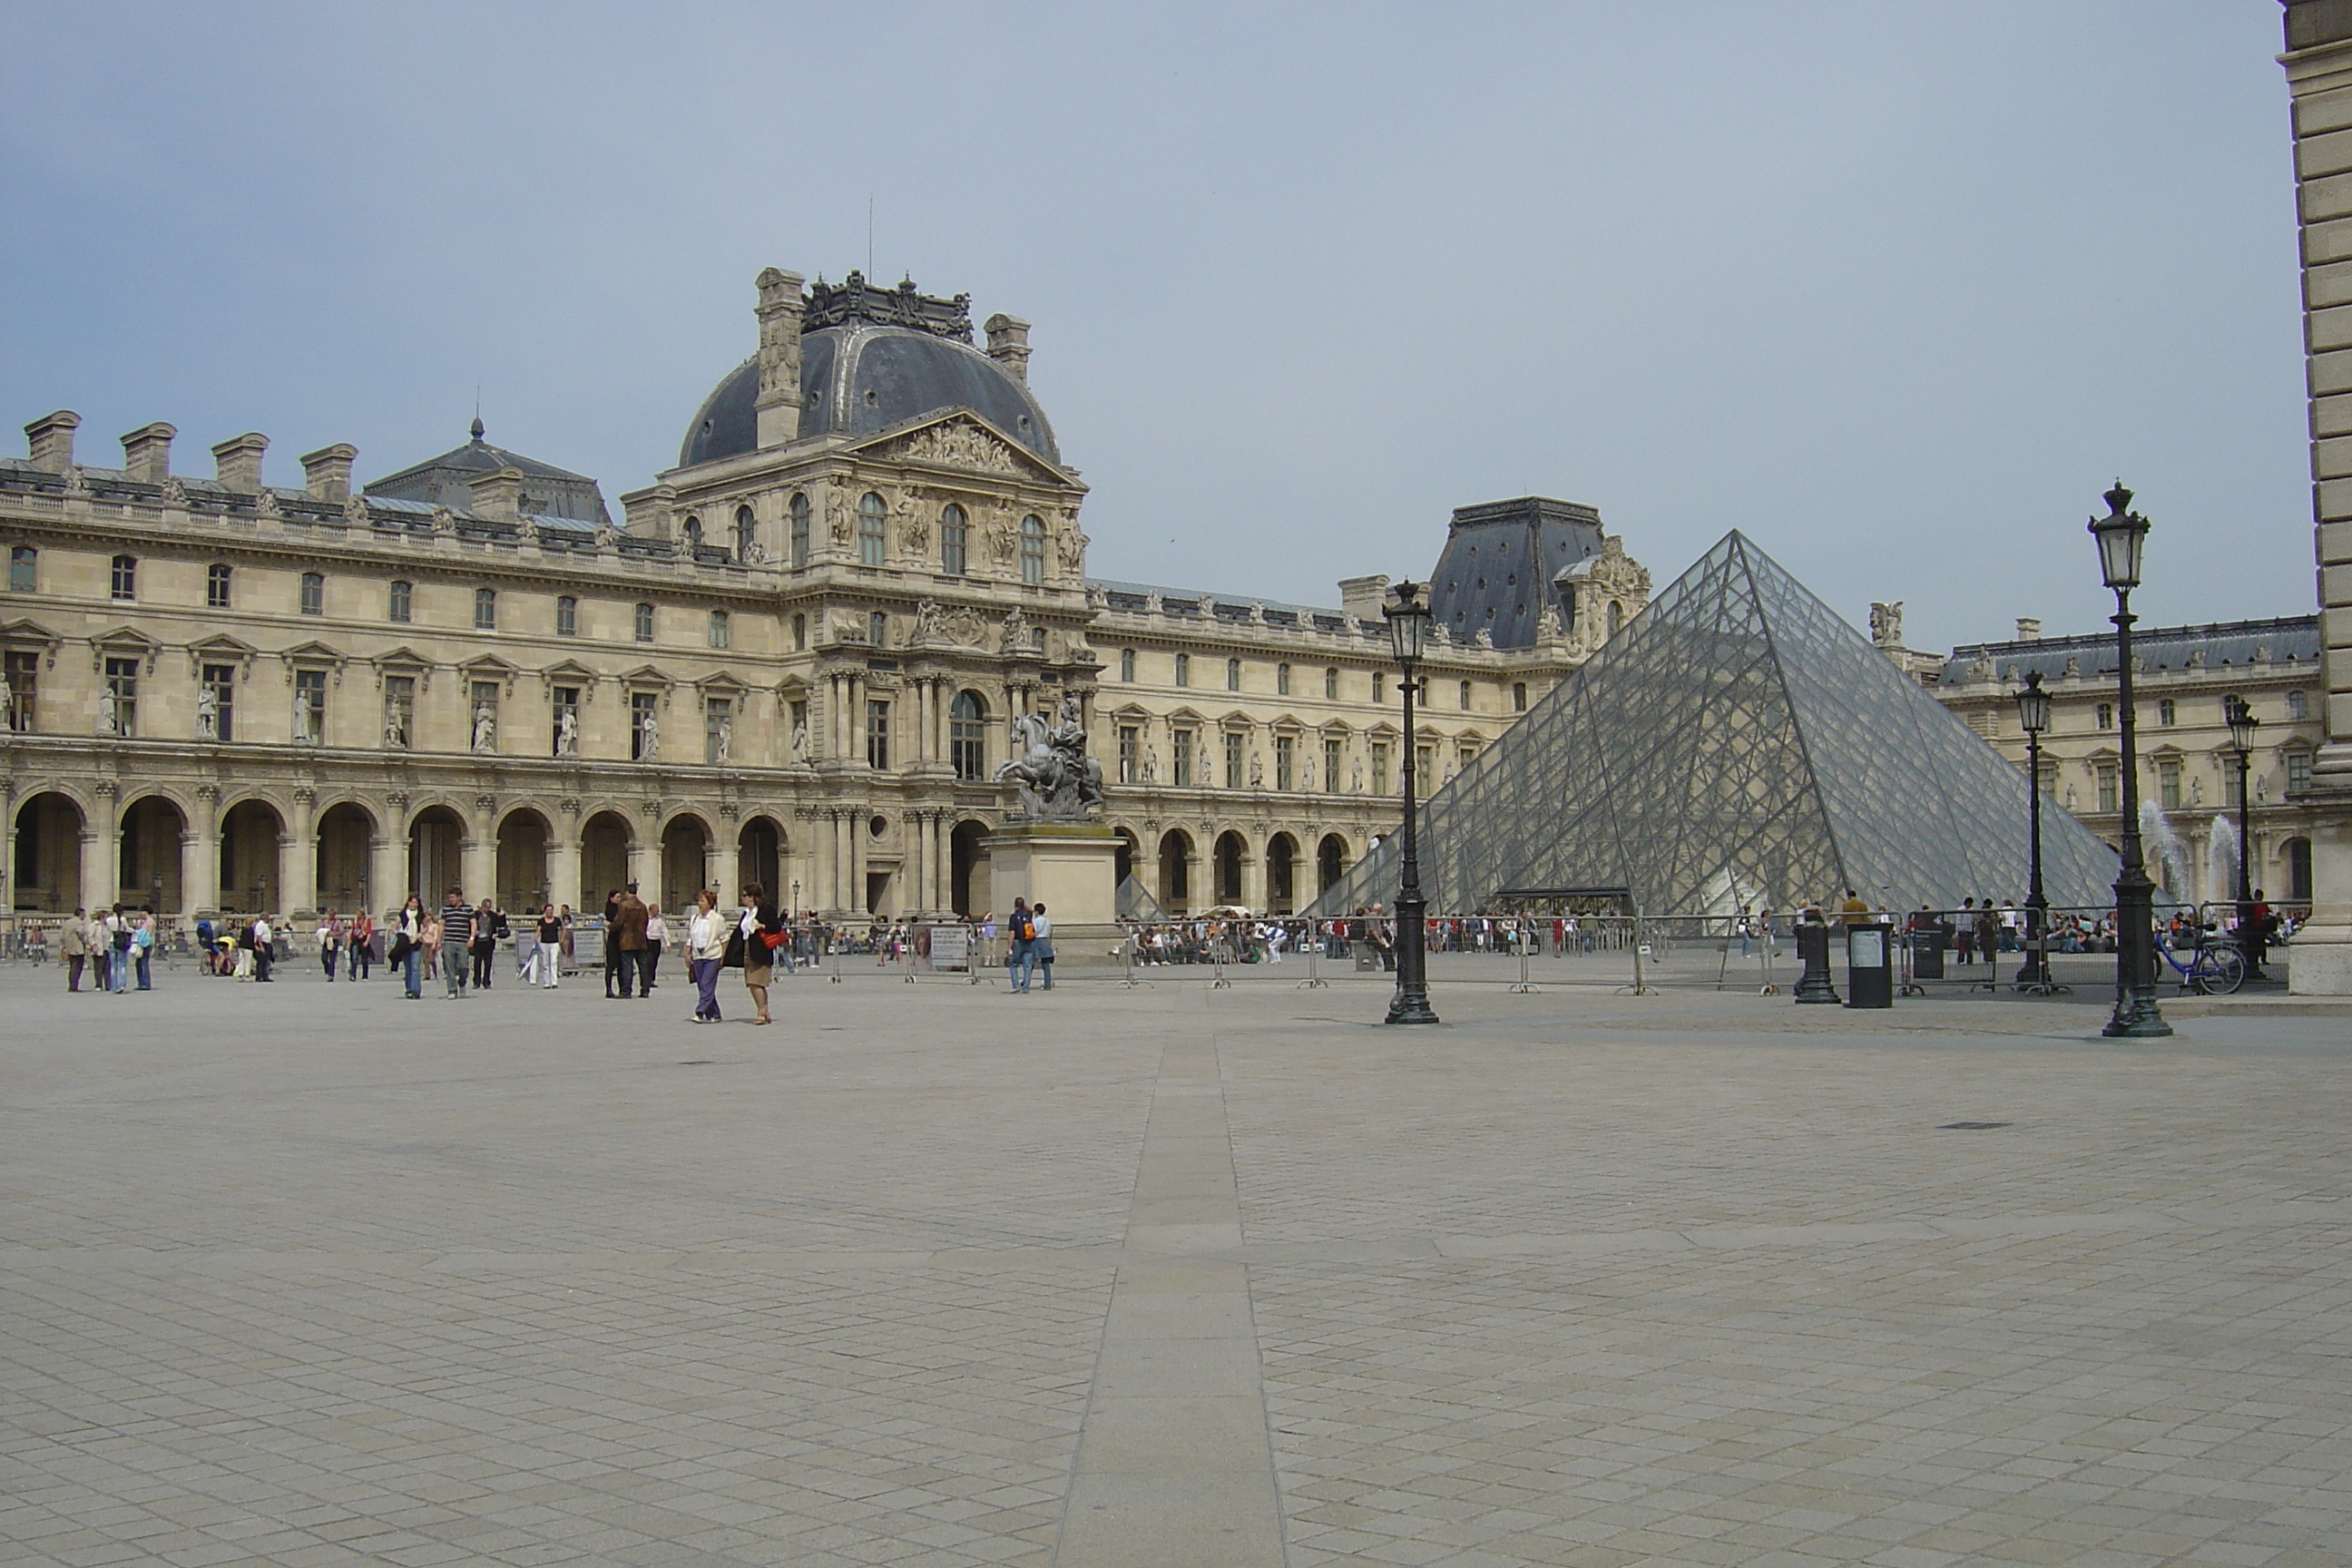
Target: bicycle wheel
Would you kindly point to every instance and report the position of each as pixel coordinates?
(2220, 970)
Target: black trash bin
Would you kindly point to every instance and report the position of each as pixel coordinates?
(1869, 965)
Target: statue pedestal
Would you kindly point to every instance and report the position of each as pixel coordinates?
(1069, 865)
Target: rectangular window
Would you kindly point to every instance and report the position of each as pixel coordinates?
(2167, 713)
(482, 715)
(1183, 669)
(567, 615)
(399, 711)
(1127, 664)
(799, 512)
(644, 622)
(23, 671)
(2167, 785)
(310, 706)
(1425, 763)
(2106, 716)
(314, 593)
(119, 701)
(1519, 697)
(800, 633)
(718, 731)
(402, 598)
(720, 629)
(877, 735)
(1182, 758)
(2298, 706)
(563, 737)
(2230, 782)
(871, 541)
(878, 629)
(1379, 767)
(486, 609)
(123, 577)
(1331, 767)
(1233, 675)
(2048, 782)
(1282, 680)
(215, 587)
(1234, 743)
(220, 680)
(644, 727)
(1032, 551)
(2298, 772)
(1285, 760)
(1131, 753)
(24, 568)
(1464, 703)
(1331, 685)
(2110, 800)
(954, 537)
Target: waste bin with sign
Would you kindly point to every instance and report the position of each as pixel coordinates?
(1869, 965)
(1927, 938)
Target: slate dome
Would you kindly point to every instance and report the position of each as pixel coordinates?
(859, 377)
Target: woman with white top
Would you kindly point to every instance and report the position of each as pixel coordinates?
(706, 950)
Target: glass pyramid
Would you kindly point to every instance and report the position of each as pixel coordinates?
(1737, 744)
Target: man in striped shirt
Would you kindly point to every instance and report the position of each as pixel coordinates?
(456, 935)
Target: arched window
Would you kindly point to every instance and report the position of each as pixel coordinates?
(1464, 703)
(644, 622)
(1616, 618)
(800, 523)
(314, 593)
(877, 628)
(955, 535)
(486, 609)
(747, 533)
(1127, 664)
(403, 601)
(1183, 669)
(567, 615)
(1233, 675)
(1519, 697)
(1331, 686)
(1033, 551)
(693, 536)
(968, 735)
(1282, 679)
(123, 577)
(870, 537)
(216, 586)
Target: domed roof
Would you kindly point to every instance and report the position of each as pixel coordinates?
(858, 378)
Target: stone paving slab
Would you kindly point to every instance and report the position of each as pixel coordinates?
(932, 1274)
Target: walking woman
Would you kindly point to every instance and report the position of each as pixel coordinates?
(759, 922)
(706, 951)
(329, 936)
(656, 938)
(408, 945)
(359, 945)
(550, 947)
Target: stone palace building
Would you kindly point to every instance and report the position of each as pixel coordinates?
(793, 659)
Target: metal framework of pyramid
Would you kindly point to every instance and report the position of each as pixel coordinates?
(1737, 744)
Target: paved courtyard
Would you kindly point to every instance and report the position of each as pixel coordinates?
(930, 1274)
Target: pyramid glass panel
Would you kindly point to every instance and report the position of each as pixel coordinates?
(1737, 744)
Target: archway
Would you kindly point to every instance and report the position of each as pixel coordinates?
(346, 834)
(251, 836)
(152, 832)
(1330, 862)
(685, 862)
(523, 838)
(1176, 871)
(433, 864)
(1231, 852)
(968, 857)
(604, 860)
(760, 857)
(48, 858)
(1281, 874)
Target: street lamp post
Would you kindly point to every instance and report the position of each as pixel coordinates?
(1409, 618)
(2242, 724)
(2034, 715)
(2121, 535)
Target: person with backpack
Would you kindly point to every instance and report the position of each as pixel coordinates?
(1021, 933)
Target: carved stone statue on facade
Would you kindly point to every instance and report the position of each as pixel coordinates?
(1016, 632)
(1151, 765)
(1073, 547)
(486, 729)
(1356, 776)
(395, 727)
(726, 742)
(799, 752)
(2073, 667)
(208, 711)
(1056, 780)
(836, 518)
(1886, 624)
(109, 712)
(648, 736)
(930, 623)
(567, 733)
(7, 704)
(1548, 624)
(1257, 770)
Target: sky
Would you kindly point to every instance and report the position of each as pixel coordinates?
(1896, 289)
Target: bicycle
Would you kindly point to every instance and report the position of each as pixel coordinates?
(2216, 966)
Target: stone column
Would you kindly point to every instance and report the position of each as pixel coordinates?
(386, 890)
(644, 867)
(2319, 61)
(191, 853)
(563, 856)
(836, 897)
(301, 875)
(1254, 876)
(102, 848)
(8, 820)
(857, 691)
(201, 869)
(854, 819)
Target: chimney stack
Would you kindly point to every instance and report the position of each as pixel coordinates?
(497, 496)
(327, 472)
(1008, 345)
(778, 405)
(147, 453)
(1363, 597)
(237, 463)
(52, 437)
(2029, 628)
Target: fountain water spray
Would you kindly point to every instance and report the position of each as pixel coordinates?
(2171, 860)
(2221, 860)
